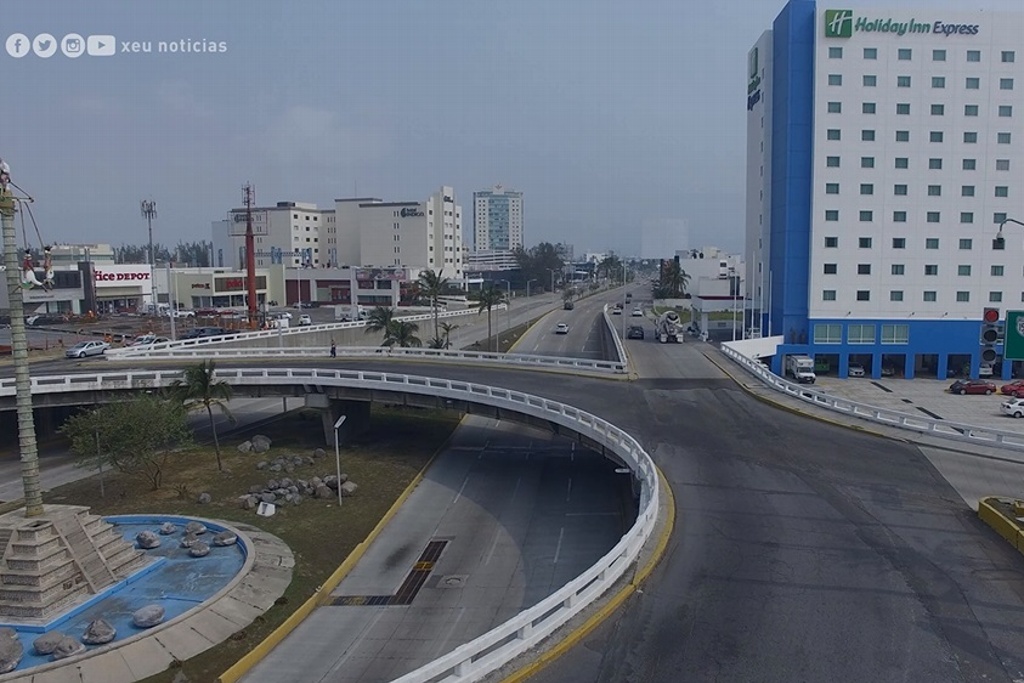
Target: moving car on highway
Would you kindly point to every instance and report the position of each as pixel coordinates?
(561, 328)
(1014, 407)
(635, 332)
(87, 348)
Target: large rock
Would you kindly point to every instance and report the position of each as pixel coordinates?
(204, 499)
(296, 499)
(200, 549)
(319, 453)
(275, 467)
(147, 540)
(47, 643)
(331, 480)
(196, 528)
(272, 484)
(256, 488)
(168, 528)
(249, 502)
(99, 632)
(262, 465)
(267, 497)
(260, 444)
(148, 616)
(245, 447)
(11, 652)
(315, 482)
(189, 540)
(8, 633)
(68, 647)
(324, 492)
(226, 537)
(348, 489)
(285, 483)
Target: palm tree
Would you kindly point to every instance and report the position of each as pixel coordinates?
(486, 299)
(448, 328)
(200, 390)
(675, 279)
(432, 286)
(402, 333)
(379, 320)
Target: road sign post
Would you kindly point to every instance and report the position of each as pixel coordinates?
(1013, 346)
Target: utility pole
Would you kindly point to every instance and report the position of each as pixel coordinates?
(148, 207)
(249, 193)
(19, 346)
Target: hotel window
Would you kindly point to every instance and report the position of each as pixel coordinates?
(903, 109)
(835, 107)
(896, 295)
(1006, 84)
(970, 138)
(899, 217)
(966, 217)
(970, 164)
(938, 110)
(828, 333)
(998, 217)
(1002, 164)
(931, 243)
(935, 164)
(963, 297)
(966, 243)
(1007, 56)
(1003, 138)
(931, 269)
(995, 297)
(831, 242)
(1005, 110)
(835, 79)
(935, 190)
(974, 55)
(832, 134)
(867, 136)
(863, 295)
(898, 269)
(835, 53)
(832, 215)
(899, 242)
(832, 162)
(1002, 191)
(866, 216)
(963, 271)
(868, 188)
(863, 269)
(828, 295)
(830, 269)
(938, 81)
(860, 333)
(864, 242)
(970, 110)
(895, 334)
(938, 55)
(899, 190)
(935, 136)
(867, 162)
(831, 188)
(870, 81)
(902, 162)
(867, 108)
(997, 271)
(903, 136)
(972, 83)
(871, 53)
(903, 54)
(929, 296)
(903, 81)
(932, 217)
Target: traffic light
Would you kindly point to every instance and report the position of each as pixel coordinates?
(989, 335)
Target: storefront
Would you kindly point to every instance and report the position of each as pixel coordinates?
(205, 288)
(122, 288)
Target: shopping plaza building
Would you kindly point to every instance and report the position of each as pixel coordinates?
(884, 155)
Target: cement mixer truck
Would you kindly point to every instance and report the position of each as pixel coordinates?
(669, 328)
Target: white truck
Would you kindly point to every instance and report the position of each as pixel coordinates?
(669, 328)
(347, 313)
(801, 368)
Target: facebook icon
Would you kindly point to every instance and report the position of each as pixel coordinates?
(18, 45)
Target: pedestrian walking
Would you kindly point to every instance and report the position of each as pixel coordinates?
(334, 350)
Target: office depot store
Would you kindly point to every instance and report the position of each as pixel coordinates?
(122, 288)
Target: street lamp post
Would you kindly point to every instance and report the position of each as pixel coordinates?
(528, 287)
(999, 240)
(148, 208)
(337, 453)
(508, 304)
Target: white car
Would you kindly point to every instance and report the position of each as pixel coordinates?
(856, 370)
(87, 348)
(184, 314)
(561, 328)
(304, 319)
(638, 313)
(1014, 407)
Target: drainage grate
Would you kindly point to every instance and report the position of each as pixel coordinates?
(407, 592)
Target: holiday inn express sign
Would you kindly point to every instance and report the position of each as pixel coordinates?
(843, 23)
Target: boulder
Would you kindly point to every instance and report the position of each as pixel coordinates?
(275, 468)
(196, 528)
(302, 483)
(249, 502)
(319, 453)
(348, 489)
(148, 616)
(288, 497)
(189, 540)
(47, 643)
(267, 498)
(272, 484)
(204, 499)
(285, 483)
(200, 549)
(11, 652)
(289, 468)
(296, 499)
(67, 647)
(324, 492)
(308, 460)
(262, 465)
(245, 447)
(168, 528)
(293, 489)
(99, 632)
(343, 478)
(315, 482)
(261, 441)
(298, 460)
(226, 537)
(331, 480)
(256, 488)
(8, 633)
(147, 540)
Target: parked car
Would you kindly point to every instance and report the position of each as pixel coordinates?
(561, 328)
(184, 314)
(972, 386)
(87, 348)
(304, 319)
(985, 370)
(1014, 407)
(638, 312)
(1014, 388)
(142, 340)
(635, 332)
(856, 370)
(888, 371)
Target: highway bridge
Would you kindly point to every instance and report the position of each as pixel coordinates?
(802, 550)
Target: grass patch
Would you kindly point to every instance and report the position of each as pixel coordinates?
(382, 462)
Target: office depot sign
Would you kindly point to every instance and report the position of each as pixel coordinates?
(122, 276)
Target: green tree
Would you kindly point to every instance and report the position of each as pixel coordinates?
(432, 285)
(610, 267)
(200, 389)
(674, 280)
(537, 262)
(486, 300)
(379, 320)
(402, 333)
(135, 437)
(447, 328)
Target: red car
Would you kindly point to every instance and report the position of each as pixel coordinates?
(1014, 388)
(972, 386)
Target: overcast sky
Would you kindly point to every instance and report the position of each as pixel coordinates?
(606, 115)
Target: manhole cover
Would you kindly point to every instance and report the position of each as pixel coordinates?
(452, 581)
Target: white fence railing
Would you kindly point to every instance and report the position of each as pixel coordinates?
(958, 431)
(377, 352)
(490, 651)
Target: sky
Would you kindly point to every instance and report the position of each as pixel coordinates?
(608, 116)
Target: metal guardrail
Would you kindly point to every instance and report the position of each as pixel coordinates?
(377, 352)
(959, 431)
(475, 659)
(620, 350)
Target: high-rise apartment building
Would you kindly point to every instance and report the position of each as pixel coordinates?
(884, 154)
(497, 220)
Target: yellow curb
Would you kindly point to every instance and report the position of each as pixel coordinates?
(613, 604)
(323, 593)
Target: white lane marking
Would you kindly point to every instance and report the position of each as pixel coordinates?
(568, 490)
(461, 489)
(558, 548)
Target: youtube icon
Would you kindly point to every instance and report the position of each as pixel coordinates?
(101, 45)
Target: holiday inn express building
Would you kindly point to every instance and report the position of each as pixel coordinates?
(884, 153)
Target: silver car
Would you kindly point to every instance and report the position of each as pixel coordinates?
(87, 348)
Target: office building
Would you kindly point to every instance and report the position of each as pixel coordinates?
(884, 155)
(497, 220)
